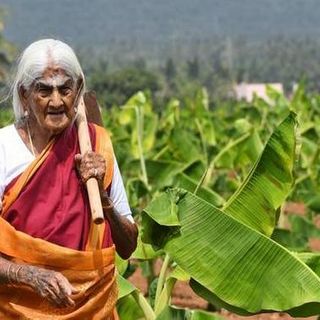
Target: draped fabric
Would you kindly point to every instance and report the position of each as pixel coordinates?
(46, 222)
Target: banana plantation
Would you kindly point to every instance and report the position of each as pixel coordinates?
(209, 187)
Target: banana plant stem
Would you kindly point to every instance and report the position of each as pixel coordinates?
(139, 117)
(144, 305)
(161, 152)
(201, 181)
(161, 279)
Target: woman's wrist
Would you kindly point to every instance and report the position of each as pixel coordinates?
(13, 273)
(107, 204)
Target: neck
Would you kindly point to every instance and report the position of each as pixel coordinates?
(35, 138)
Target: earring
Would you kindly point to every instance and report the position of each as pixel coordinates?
(75, 109)
(26, 114)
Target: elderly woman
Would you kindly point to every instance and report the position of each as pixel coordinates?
(51, 266)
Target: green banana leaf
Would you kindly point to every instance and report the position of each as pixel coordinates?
(128, 309)
(249, 149)
(131, 303)
(145, 251)
(121, 264)
(226, 156)
(171, 279)
(312, 260)
(314, 202)
(184, 145)
(241, 266)
(150, 123)
(291, 240)
(125, 287)
(268, 182)
(162, 173)
(187, 183)
(304, 227)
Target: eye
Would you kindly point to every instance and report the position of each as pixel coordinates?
(43, 91)
(65, 90)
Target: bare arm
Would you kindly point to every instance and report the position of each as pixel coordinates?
(50, 285)
(124, 232)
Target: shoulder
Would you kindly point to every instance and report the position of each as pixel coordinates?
(102, 138)
(7, 129)
(7, 134)
(100, 130)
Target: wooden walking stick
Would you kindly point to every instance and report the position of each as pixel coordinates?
(92, 183)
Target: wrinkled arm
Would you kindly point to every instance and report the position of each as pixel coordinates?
(124, 232)
(50, 285)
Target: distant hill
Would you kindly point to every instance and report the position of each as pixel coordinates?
(153, 27)
(210, 42)
(103, 22)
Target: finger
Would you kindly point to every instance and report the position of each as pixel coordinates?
(90, 155)
(52, 280)
(66, 286)
(78, 157)
(52, 297)
(94, 172)
(75, 290)
(62, 298)
(70, 302)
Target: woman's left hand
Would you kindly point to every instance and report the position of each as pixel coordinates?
(90, 165)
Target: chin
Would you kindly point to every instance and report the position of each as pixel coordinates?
(57, 128)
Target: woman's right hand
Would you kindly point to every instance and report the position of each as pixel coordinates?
(49, 284)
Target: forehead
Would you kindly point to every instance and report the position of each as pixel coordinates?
(53, 75)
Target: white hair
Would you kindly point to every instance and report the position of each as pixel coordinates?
(33, 62)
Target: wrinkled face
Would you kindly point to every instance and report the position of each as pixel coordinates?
(50, 101)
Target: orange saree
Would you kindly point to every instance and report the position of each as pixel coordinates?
(91, 270)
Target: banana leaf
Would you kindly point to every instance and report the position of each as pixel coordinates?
(184, 145)
(304, 227)
(242, 267)
(187, 183)
(145, 251)
(150, 123)
(314, 202)
(227, 155)
(291, 240)
(125, 287)
(268, 182)
(162, 173)
(128, 309)
(164, 297)
(131, 303)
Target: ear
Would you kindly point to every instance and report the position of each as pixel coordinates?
(23, 96)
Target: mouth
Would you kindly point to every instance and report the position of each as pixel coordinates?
(55, 112)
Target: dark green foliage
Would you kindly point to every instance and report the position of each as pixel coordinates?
(119, 86)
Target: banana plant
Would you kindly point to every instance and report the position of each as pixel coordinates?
(189, 138)
(228, 253)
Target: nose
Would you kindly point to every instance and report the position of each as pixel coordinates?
(56, 99)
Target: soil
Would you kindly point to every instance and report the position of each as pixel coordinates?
(183, 296)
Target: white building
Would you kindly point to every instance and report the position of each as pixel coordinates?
(247, 91)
